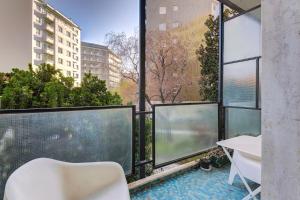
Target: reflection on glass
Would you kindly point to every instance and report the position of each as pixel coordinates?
(175, 32)
(242, 36)
(242, 122)
(73, 136)
(183, 130)
(240, 84)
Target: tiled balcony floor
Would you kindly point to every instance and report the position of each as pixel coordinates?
(196, 184)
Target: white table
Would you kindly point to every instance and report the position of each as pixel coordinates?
(248, 145)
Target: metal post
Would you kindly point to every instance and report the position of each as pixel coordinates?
(142, 84)
(221, 110)
(257, 83)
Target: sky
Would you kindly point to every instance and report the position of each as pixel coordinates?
(98, 17)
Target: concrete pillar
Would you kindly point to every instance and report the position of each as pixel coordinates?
(281, 99)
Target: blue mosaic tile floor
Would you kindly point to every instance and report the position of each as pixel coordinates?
(197, 185)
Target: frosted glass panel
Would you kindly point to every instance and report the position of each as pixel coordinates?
(246, 4)
(72, 136)
(242, 122)
(182, 130)
(242, 36)
(240, 84)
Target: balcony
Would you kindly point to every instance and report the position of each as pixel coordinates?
(159, 148)
(49, 61)
(110, 132)
(49, 28)
(50, 17)
(49, 51)
(49, 39)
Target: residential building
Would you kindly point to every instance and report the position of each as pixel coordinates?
(102, 62)
(215, 8)
(168, 14)
(38, 33)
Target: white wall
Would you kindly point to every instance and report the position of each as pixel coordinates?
(281, 99)
(15, 34)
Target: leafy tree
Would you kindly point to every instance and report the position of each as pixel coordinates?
(93, 92)
(18, 92)
(208, 56)
(46, 87)
(4, 77)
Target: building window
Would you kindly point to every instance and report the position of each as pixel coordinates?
(38, 56)
(69, 44)
(38, 32)
(162, 10)
(60, 61)
(69, 63)
(60, 50)
(39, 8)
(75, 75)
(60, 29)
(38, 43)
(39, 20)
(68, 34)
(175, 25)
(162, 27)
(175, 8)
(68, 73)
(60, 40)
(69, 53)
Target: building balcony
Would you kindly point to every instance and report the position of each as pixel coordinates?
(61, 136)
(49, 61)
(49, 51)
(50, 17)
(170, 150)
(49, 28)
(49, 39)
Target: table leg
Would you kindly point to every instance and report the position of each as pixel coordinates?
(255, 192)
(251, 194)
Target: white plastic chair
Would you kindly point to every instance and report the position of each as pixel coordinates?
(249, 166)
(47, 179)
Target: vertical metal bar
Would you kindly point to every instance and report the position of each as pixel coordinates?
(153, 136)
(142, 83)
(220, 81)
(133, 138)
(257, 83)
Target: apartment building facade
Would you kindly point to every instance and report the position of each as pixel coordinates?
(100, 61)
(36, 33)
(164, 15)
